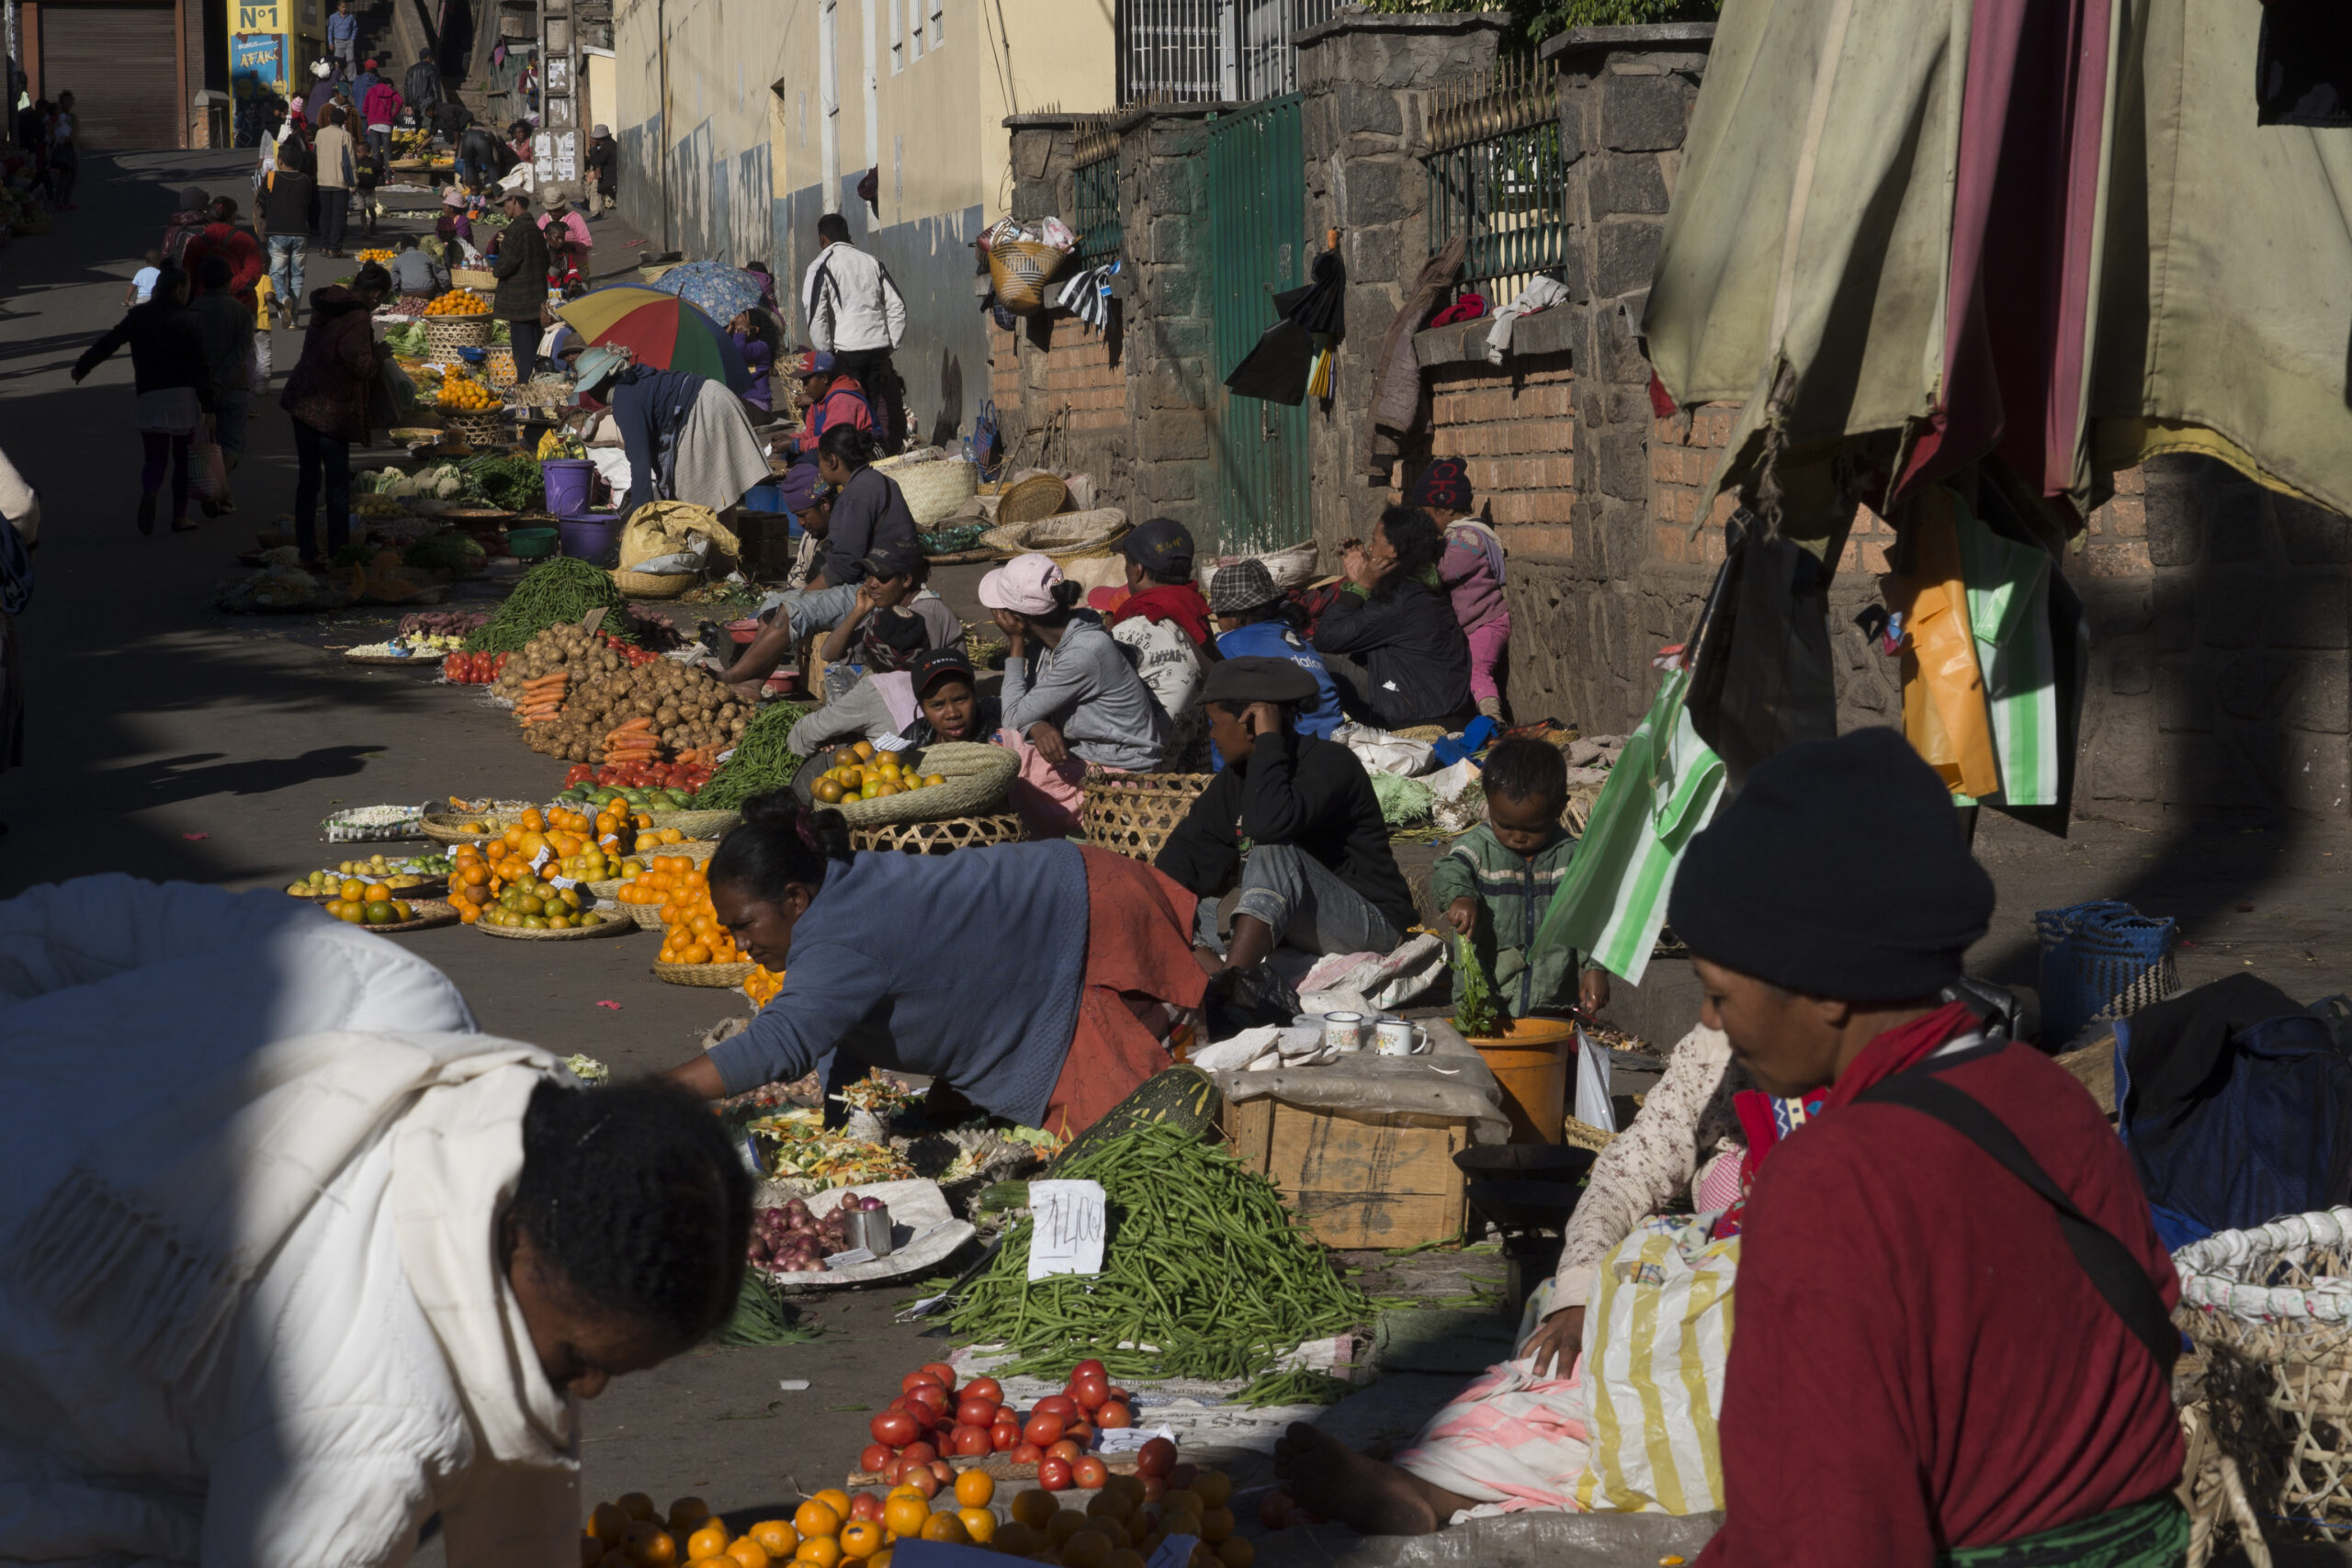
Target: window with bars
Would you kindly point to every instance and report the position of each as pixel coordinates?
(1096, 168)
(1496, 178)
(938, 23)
(1211, 51)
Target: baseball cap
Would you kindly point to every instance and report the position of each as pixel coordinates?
(1244, 585)
(1023, 585)
(894, 558)
(813, 362)
(938, 665)
(1161, 545)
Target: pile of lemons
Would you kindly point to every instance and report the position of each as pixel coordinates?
(861, 773)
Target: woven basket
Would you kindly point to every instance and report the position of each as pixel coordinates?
(1019, 271)
(943, 837)
(574, 933)
(480, 280)
(481, 427)
(443, 336)
(718, 976)
(698, 824)
(648, 585)
(1038, 496)
(1133, 813)
(1072, 536)
(2270, 1311)
(1584, 1135)
(444, 827)
(936, 491)
(655, 272)
(977, 777)
(692, 848)
(603, 892)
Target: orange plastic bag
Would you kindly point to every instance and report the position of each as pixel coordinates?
(1944, 715)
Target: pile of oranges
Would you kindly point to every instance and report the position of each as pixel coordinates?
(691, 932)
(762, 986)
(859, 773)
(458, 302)
(1118, 1528)
(480, 874)
(460, 391)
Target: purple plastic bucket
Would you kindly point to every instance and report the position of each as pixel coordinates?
(590, 535)
(571, 484)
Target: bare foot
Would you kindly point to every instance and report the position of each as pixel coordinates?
(1329, 1478)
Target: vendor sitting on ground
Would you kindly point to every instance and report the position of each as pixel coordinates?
(415, 274)
(1256, 619)
(937, 700)
(1391, 638)
(1070, 692)
(868, 511)
(1495, 881)
(685, 435)
(1160, 582)
(2019, 1409)
(836, 399)
(894, 622)
(1318, 874)
(1086, 955)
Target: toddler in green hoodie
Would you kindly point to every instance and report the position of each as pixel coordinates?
(1495, 881)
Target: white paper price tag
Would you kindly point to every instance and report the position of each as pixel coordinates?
(561, 882)
(1126, 1439)
(545, 855)
(1067, 1222)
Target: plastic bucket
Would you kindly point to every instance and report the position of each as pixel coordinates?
(570, 482)
(769, 498)
(590, 535)
(527, 544)
(1530, 1062)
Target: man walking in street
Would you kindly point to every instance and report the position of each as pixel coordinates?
(334, 151)
(854, 313)
(422, 86)
(604, 172)
(343, 37)
(225, 322)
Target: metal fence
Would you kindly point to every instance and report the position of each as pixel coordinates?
(1096, 161)
(1211, 51)
(1496, 178)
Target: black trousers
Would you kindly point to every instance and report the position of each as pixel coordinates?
(884, 391)
(525, 345)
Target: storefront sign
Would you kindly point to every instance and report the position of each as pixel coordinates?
(263, 57)
(267, 16)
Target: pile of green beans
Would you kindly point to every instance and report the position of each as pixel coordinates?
(761, 762)
(1206, 1274)
(560, 591)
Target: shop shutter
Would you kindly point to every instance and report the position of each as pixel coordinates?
(121, 64)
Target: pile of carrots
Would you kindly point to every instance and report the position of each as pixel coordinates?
(542, 699)
(633, 741)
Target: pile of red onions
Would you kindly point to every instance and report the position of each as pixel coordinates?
(792, 1241)
(853, 1203)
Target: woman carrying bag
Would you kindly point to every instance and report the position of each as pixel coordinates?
(328, 397)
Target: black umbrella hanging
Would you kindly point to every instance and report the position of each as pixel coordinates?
(1280, 366)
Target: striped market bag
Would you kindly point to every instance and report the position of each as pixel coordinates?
(2007, 585)
(1662, 789)
(1657, 1334)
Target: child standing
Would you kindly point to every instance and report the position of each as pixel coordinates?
(1496, 881)
(142, 282)
(1472, 571)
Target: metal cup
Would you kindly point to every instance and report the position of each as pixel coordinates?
(1343, 1031)
(1394, 1037)
(870, 1228)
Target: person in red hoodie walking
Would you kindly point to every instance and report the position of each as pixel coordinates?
(327, 396)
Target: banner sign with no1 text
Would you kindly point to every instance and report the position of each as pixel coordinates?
(1067, 1221)
(257, 16)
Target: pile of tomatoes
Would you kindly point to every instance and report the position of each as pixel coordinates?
(640, 774)
(472, 669)
(932, 1421)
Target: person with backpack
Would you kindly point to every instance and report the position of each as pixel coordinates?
(186, 221)
(287, 202)
(834, 397)
(225, 321)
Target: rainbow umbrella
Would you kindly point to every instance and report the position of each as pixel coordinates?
(662, 330)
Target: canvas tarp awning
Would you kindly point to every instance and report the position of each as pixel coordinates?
(2081, 247)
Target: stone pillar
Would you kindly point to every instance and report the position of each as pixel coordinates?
(1163, 214)
(1366, 79)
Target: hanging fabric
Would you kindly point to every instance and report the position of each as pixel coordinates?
(1944, 714)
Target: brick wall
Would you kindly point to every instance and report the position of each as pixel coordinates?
(1513, 433)
(1052, 366)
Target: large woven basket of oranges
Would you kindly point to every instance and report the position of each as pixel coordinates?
(953, 778)
(457, 320)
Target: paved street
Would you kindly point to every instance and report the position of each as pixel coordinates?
(168, 740)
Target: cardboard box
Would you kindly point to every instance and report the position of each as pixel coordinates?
(1359, 1182)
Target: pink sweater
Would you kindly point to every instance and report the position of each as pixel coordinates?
(1472, 571)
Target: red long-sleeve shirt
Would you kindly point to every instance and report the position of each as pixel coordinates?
(1919, 1363)
(236, 246)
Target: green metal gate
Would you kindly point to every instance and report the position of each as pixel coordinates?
(1256, 249)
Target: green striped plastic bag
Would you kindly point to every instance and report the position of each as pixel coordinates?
(1612, 901)
(2009, 610)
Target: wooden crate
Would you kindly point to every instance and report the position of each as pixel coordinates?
(1357, 1180)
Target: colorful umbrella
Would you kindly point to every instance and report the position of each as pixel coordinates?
(662, 330)
(724, 292)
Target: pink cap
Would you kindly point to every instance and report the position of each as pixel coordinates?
(1023, 585)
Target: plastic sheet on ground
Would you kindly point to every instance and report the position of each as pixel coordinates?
(1450, 1082)
(1509, 1540)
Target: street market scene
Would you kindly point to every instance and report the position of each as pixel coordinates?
(1553, 786)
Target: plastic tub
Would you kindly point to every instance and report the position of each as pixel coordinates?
(1530, 1062)
(529, 544)
(590, 535)
(571, 481)
(769, 498)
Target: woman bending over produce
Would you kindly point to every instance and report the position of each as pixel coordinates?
(1088, 956)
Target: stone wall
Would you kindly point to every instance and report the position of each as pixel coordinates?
(1163, 286)
(1366, 80)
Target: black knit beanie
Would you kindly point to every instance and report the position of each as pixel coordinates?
(1838, 871)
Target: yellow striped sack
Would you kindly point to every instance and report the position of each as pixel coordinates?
(1657, 1331)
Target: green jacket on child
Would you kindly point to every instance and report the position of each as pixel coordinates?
(1513, 892)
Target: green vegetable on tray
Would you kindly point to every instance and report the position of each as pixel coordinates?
(558, 591)
(1203, 1264)
(762, 760)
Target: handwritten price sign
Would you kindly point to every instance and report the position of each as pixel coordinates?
(1068, 1221)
